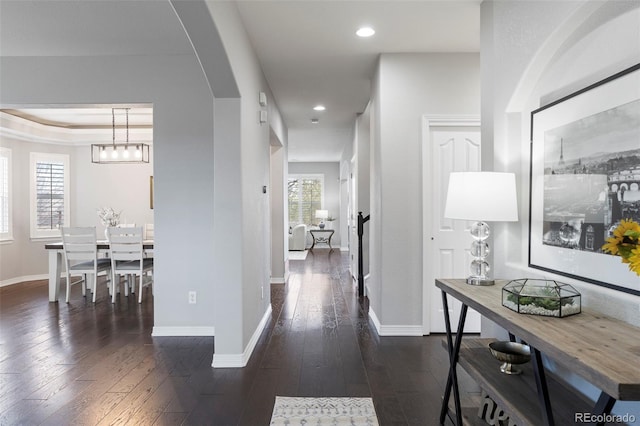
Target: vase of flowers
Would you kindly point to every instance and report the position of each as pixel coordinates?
(108, 217)
(625, 243)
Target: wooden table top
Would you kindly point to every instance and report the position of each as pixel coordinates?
(603, 350)
(102, 245)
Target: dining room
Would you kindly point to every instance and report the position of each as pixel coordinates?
(71, 166)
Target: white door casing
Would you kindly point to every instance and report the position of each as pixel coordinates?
(449, 144)
(353, 221)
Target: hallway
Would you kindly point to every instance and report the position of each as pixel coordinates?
(91, 364)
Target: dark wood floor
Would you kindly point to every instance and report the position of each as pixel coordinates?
(85, 364)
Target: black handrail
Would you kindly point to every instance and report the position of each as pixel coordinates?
(361, 221)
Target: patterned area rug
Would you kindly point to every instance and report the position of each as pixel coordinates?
(292, 411)
(298, 255)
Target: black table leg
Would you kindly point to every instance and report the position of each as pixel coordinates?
(454, 350)
(604, 405)
(543, 389)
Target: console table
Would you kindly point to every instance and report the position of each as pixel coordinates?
(321, 236)
(602, 350)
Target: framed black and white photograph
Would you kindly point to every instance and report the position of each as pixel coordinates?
(585, 179)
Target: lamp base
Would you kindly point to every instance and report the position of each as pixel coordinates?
(481, 281)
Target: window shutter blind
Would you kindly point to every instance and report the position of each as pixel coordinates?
(49, 195)
(305, 197)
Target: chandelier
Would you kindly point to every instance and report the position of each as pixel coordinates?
(110, 153)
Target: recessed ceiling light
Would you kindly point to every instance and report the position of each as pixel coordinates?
(319, 108)
(365, 32)
(314, 121)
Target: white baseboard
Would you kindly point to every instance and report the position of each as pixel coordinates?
(176, 331)
(374, 318)
(344, 248)
(16, 280)
(278, 280)
(241, 360)
(366, 284)
(394, 330)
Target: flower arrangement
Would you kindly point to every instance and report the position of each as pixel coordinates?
(108, 216)
(625, 243)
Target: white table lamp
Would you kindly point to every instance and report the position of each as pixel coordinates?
(322, 215)
(481, 196)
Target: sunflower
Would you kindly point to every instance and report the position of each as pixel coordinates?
(625, 243)
(634, 260)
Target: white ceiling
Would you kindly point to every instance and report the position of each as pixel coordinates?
(307, 48)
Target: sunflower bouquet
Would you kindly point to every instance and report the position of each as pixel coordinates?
(625, 243)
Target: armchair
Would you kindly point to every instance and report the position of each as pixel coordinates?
(298, 237)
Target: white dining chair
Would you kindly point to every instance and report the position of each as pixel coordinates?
(127, 259)
(148, 231)
(149, 235)
(81, 258)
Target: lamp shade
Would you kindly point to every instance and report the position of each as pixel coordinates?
(322, 214)
(484, 196)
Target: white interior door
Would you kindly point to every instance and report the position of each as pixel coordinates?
(449, 147)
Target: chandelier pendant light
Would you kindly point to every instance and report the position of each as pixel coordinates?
(123, 153)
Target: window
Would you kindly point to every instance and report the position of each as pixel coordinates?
(306, 195)
(49, 194)
(6, 226)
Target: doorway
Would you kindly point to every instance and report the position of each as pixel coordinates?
(449, 144)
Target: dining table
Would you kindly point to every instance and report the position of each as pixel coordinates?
(56, 253)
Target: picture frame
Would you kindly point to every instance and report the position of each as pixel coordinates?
(585, 178)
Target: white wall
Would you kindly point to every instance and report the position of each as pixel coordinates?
(279, 230)
(534, 53)
(251, 158)
(124, 187)
(360, 152)
(406, 87)
(363, 142)
(331, 173)
(24, 258)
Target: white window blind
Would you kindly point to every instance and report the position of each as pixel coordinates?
(49, 194)
(306, 195)
(5, 195)
(49, 189)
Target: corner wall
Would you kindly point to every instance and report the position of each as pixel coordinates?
(250, 148)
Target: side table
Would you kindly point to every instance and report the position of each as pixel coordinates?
(321, 236)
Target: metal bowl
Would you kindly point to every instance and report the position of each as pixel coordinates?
(510, 353)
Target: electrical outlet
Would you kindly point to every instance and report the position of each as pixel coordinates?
(192, 297)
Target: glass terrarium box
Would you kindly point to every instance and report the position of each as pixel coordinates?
(541, 297)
